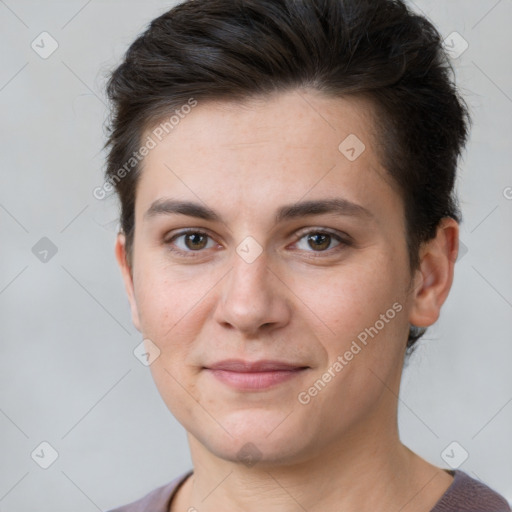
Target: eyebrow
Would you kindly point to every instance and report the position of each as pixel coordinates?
(337, 206)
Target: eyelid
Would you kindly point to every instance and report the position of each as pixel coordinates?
(201, 231)
(344, 237)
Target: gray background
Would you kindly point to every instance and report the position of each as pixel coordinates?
(67, 369)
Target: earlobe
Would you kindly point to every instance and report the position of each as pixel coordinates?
(435, 275)
(127, 274)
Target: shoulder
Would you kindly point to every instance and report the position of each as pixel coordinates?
(469, 495)
(157, 500)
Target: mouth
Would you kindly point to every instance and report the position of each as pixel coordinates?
(254, 376)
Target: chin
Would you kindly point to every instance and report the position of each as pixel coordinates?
(257, 437)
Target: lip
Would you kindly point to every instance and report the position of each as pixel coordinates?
(264, 365)
(253, 376)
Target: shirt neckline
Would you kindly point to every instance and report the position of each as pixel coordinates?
(180, 482)
(454, 473)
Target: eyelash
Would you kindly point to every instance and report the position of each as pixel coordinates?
(343, 242)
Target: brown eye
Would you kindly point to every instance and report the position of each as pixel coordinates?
(195, 241)
(322, 242)
(189, 242)
(319, 241)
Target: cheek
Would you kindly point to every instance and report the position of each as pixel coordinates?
(351, 298)
(171, 313)
(365, 315)
(165, 297)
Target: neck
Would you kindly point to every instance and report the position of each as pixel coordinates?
(363, 472)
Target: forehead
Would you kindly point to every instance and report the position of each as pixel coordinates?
(256, 152)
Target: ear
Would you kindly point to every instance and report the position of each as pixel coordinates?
(126, 271)
(434, 278)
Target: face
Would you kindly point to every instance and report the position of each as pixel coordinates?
(266, 231)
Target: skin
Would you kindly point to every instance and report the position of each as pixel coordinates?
(299, 301)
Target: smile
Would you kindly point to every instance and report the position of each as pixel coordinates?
(254, 380)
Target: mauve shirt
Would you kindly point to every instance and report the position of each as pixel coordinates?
(465, 494)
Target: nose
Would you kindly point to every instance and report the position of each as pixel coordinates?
(253, 299)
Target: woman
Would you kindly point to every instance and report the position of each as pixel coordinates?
(289, 229)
